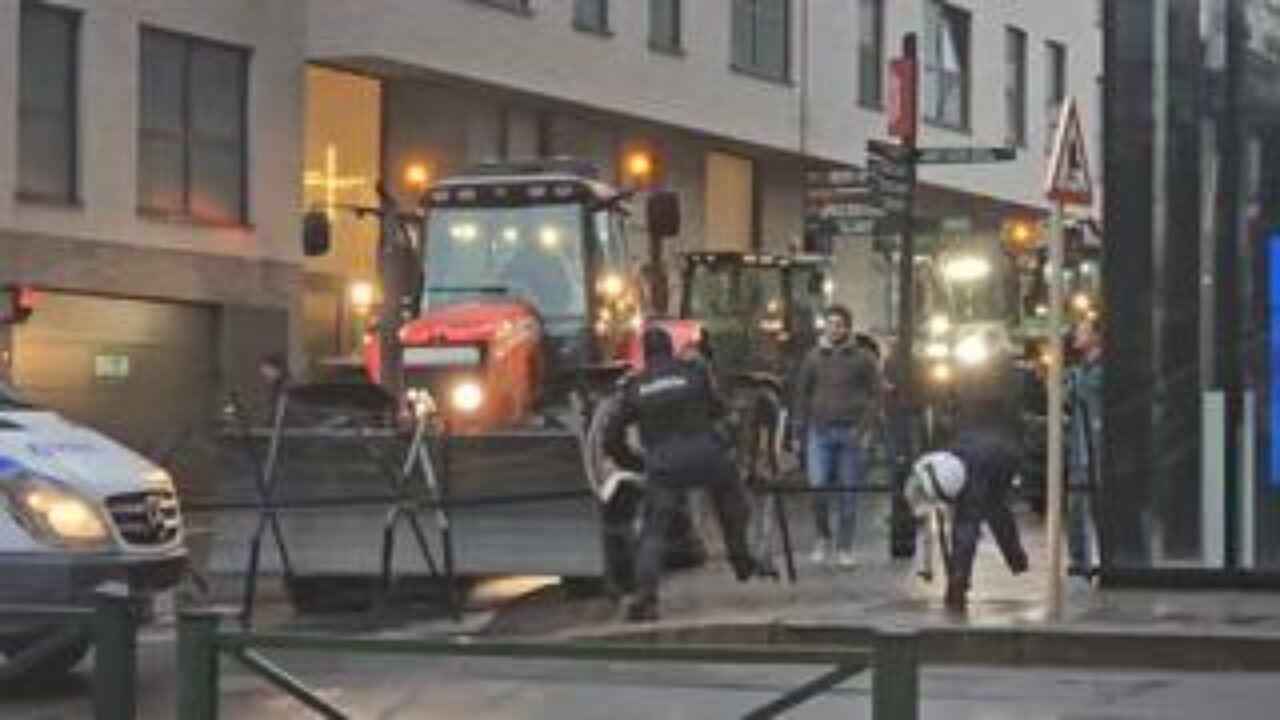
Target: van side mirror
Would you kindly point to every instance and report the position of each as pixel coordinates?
(662, 213)
(315, 233)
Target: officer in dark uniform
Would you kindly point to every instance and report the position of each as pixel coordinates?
(675, 404)
(988, 439)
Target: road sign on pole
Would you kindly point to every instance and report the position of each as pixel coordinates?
(1068, 183)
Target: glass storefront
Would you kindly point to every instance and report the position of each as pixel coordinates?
(1191, 476)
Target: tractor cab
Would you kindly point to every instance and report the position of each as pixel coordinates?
(759, 312)
(525, 284)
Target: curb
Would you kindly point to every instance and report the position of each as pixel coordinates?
(1061, 646)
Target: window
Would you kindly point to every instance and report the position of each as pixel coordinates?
(871, 53)
(47, 92)
(519, 6)
(946, 66)
(761, 37)
(591, 15)
(1015, 87)
(664, 25)
(191, 134)
(1055, 88)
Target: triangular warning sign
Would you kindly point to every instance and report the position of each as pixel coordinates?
(1069, 180)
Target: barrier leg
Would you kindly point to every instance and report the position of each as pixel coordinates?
(784, 529)
(198, 667)
(114, 654)
(895, 682)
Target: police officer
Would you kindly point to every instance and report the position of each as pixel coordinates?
(973, 479)
(675, 404)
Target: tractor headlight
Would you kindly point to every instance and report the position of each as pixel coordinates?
(937, 350)
(973, 350)
(940, 373)
(56, 514)
(467, 396)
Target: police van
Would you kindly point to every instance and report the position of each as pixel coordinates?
(76, 510)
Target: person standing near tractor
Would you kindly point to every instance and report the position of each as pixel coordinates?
(1084, 402)
(836, 395)
(675, 404)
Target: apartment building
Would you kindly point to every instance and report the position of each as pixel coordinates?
(735, 98)
(150, 157)
(155, 155)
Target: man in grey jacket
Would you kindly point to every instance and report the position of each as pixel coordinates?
(836, 393)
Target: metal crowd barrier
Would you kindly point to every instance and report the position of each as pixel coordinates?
(113, 620)
(893, 658)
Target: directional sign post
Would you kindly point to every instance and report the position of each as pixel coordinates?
(1068, 183)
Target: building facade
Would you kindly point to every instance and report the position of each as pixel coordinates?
(155, 156)
(149, 194)
(735, 98)
(1192, 469)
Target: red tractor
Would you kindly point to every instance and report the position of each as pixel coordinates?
(525, 309)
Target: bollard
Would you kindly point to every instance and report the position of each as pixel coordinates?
(895, 682)
(115, 653)
(198, 665)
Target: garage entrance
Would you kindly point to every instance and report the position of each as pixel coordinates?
(139, 370)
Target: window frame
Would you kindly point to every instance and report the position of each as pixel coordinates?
(188, 137)
(674, 44)
(1056, 80)
(71, 192)
(1015, 86)
(872, 97)
(597, 26)
(750, 63)
(515, 7)
(944, 20)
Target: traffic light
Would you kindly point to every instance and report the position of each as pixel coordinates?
(17, 302)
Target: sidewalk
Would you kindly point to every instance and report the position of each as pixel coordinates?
(1240, 629)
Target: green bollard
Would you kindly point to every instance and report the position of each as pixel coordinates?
(895, 682)
(198, 665)
(115, 653)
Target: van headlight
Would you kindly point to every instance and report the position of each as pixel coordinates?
(467, 396)
(56, 514)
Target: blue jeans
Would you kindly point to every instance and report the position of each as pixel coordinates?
(834, 461)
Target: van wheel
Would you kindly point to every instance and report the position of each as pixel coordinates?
(44, 657)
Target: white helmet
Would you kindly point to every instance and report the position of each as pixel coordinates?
(937, 477)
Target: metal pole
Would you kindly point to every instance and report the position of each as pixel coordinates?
(902, 522)
(895, 679)
(1053, 464)
(198, 665)
(114, 654)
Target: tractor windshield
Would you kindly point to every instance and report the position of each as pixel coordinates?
(531, 252)
(741, 308)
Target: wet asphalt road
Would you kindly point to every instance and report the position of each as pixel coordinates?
(399, 687)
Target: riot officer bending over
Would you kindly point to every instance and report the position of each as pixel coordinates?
(675, 404)
(973, 479)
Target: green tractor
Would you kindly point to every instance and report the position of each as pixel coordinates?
(759, 312)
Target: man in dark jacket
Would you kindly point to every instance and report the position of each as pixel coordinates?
(973, 480)
(836, 394)
(674, 403)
